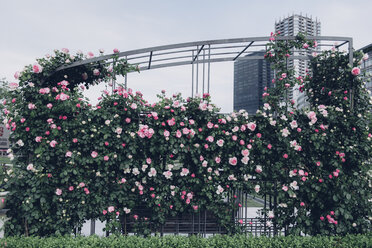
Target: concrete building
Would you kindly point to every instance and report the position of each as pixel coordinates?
(366, 67)
(291, 26)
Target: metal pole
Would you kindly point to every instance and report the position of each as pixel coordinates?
(351, 55)
(209, 64)
(126, 77)
(92, 227)
(203, 68)
(112, 76)
(197, 72)
(192, 80)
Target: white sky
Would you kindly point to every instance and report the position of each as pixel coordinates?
(31, 29)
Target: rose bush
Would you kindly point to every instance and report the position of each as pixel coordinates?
(110, 161)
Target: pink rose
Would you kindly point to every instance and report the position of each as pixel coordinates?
(13, 86)
(245, 160)
(106, 158)
(233, 161)
(116, 50)
(16, 75)
(36, 68)
(68, 154)
(355, 71)
(58, 192)
(38, 139)
(81, 185)
(245, 152)
(71, 188)
(31, 106)
(104, 212)
(94, 154)
(90, 55)
(49, 105)
(220, 142)
(251, 126)
(218, 160)
(171, 122)
(62, 97)
(166, 133)
(53, 143)
(96, 72)
(178, 134)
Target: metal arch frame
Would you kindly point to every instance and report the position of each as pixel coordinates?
(208, 51)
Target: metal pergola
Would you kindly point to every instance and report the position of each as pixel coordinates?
(200, 54)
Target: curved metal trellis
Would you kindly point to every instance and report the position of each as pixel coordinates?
(207, 52)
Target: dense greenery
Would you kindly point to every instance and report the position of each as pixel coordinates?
(218, 241)
(77, 162)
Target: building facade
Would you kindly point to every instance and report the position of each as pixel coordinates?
(291, 26)
(366, 67)
(251, 76)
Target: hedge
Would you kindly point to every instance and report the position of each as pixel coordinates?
(192, 241)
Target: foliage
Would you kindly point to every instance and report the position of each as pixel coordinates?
(111, 161)
(193, 241)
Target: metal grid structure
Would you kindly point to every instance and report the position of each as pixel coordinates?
(200, 55)
(205, 223)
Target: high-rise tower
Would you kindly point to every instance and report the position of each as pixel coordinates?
(251, 76)
(291, 26)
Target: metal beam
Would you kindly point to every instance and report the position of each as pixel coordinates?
(150, 60)
(184, 47)
(343, 43)
(196, 56)
(237, 56)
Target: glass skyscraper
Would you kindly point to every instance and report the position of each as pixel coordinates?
(251, 76)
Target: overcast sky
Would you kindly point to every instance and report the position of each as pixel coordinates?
(31, 29)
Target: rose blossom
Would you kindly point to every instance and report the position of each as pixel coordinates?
(251, 126)
(36, 68)
(245, 160)
(13, 86)
(233, 161)
(245, 152)
(68, 154)
(220, 142)
(257, 188)
(355, 71)
(53, 143)
(184, 172)
(94, 154)
(31, 106)
(62, 97)
(30, 167)
(58, 191)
